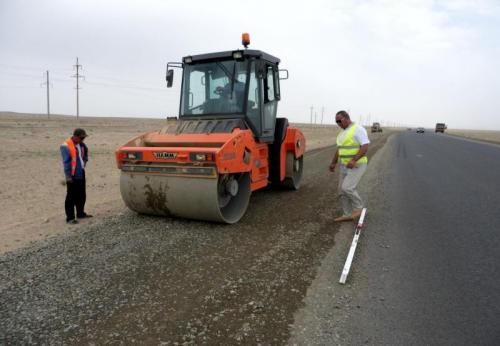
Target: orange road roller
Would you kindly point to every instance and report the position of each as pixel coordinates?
(226, 142)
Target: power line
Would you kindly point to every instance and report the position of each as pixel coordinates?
(126, 86)
(137, 93)
(19, 67)
(62, 80)
(18, 87)
(2, 65)
(17, 74)
(111, 78)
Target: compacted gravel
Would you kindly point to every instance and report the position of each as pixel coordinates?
(150, 280)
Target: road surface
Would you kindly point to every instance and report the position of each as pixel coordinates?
(427, 271)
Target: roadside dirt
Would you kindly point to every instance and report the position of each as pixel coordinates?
(485, 136)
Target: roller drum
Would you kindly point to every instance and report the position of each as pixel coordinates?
(223, 198)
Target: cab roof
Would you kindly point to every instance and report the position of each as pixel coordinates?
(247, 53)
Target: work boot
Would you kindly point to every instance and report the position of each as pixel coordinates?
(72, 222)
(343, 218)
(84, 216)
(356, 213)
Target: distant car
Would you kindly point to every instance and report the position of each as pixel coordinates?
(420, 130)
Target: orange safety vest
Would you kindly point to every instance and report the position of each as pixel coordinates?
(72, 153)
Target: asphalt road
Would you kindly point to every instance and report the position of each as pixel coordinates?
(427, 271)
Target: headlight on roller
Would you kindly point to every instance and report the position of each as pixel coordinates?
(133, 155)
(201, 156)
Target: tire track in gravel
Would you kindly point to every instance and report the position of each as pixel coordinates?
(153, 280)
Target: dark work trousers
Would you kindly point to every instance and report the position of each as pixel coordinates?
(75, 197)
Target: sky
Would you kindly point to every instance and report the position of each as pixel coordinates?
(411, 63)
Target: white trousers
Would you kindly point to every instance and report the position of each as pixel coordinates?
(348, 181)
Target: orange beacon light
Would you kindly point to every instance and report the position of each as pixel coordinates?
(245, 39)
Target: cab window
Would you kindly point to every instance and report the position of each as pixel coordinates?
(269, 84)
(253, 104)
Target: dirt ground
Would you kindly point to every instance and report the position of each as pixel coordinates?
(33, 190)
(488, 136)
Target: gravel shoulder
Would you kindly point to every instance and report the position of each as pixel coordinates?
(328, 305)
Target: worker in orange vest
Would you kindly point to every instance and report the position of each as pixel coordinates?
(75, 156)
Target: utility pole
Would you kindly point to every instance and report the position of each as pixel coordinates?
(312, 115)
(77, 76)
(322, 114)
(48, 96)
(47, 83)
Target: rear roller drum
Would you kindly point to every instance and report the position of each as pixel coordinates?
(293, 173)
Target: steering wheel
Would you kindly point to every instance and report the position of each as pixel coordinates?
(219, 91)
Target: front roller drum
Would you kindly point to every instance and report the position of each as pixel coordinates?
(224, 198)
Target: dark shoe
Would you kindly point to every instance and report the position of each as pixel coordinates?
(84, 216)
(72, 222)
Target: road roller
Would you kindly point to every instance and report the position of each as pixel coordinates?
(225, 143)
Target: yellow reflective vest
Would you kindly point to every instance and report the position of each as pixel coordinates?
(348, 148)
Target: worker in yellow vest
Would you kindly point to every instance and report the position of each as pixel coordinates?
(352, 145)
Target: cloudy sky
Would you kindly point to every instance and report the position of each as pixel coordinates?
(406, 62)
